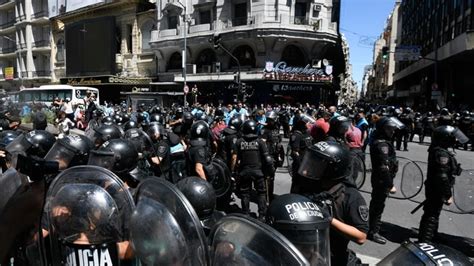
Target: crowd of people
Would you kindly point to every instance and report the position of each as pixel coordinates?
(236, 149)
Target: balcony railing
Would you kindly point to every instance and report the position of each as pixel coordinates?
(239, 21)
(42, 13)
(21, 18)
(41, 43)
(7, 24)
(41, 73)
(7, 50)
(300, 20)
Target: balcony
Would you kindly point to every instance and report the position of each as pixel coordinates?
(199, 28)
(7, 24)
(41, 44)
(168, 33)
(239, 21)
(300, 20)
(20, 18)
(7, 50)
(41, 73)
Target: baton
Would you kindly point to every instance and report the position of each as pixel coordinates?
(418, 207)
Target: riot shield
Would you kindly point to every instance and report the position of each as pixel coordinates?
(464, 191)
(87, 210)
(358, 170)
(10, 182)
(422, 254)
(221, 182)
(289, 160)
(164, 228)
(240, 240)
(411, 182)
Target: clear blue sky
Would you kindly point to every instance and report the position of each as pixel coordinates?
(362, 21)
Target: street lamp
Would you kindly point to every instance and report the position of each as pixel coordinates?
(20, 76)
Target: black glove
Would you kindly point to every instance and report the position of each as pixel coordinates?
(458, 170)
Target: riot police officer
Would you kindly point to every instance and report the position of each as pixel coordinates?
(384, 169)
(404, 133)
(254, 162)
(418, 127)
(445, 118)
(230, 135)
(442, 167)
(326, 168)
(465, 125)
(199, 157)
(300, 141)
(428, 125)
(272, 137)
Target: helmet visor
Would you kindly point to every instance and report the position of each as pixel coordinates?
(394, 122)
(19, 144)
(313, 165)
(103, 159)
(60, 153)
(318, 251)
(460, 136)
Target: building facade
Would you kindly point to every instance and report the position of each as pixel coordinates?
(25, 44)
(444, 32)
(285, 50)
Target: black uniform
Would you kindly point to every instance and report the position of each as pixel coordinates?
(299, 142)
(229, 138)
(162, 150)
(418, 128)
(465, 125)
(428, 126)
(273, 138)
(442, 166)
(253, 158)
(384, 169)
(404, 134)
(445, 120)
(284, 119)
(200, 154)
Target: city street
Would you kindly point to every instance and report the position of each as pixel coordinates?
(457, 230)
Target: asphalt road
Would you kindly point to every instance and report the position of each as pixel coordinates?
(456, 229)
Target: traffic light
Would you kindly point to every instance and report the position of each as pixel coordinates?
(215, 40)
(385, 52)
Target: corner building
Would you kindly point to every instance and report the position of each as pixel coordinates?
(289, 51)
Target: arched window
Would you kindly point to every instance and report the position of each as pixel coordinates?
(146, 30)
(175, 61)
(60, 51)
(206, 58)
(293, 56)
(245, 55)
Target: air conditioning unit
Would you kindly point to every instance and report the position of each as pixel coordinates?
(317, 8)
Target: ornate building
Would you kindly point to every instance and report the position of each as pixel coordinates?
(285, 50)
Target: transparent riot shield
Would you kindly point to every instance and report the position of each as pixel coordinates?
(358, 170)
(165, 229)
(239, 240)
(87, 211)
(10, 182)
(464, 191)
(221, 182)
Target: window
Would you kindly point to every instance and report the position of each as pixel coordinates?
(175, 61)
(245, 55)
(300, 13)
(240, 14)
(129, 38)
(172, 22)
(60, 51)
(205, 17)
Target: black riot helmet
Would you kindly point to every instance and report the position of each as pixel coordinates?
(104, 133)
(36, 142)
(157, 117)
(421, 254)
(249, 129)
(130, 124)
(140, 141)
(108, 120)
(304, 223)
(200, 194)
(429, 114)
(235, 123)
(407, 110)
(271, 115)
(338, 126)
(417, 114)
(444, 111)
(72, 150)
(446, 136)
(7, 136)
(301, 120)
(326, 161)
(188, 118)
(386, 127)
(118, 119)
(200, 116)
(116, 155)
(466, 113)
(199, 132)
(156, 131)
(179, 112)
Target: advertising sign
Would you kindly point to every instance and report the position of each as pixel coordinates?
(9, 73)
(281, 71)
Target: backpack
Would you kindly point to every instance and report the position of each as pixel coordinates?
(39, 121)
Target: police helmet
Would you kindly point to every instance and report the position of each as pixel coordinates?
(200, 194)
(429, 114)
(188, 118)
(157, 117)
(105, 133)
(271, 115)
(219, 112)
(7, 136)
(407, 110)
(118, 119)
(446, 136)
(304, 223)
(386, 127)
(417, 114)
(235, 123)
(156, 131)
(130, 124)
(200, 131)
(72, 150)
(466, 113)
(338, 126)
(326, 160)
(41, 141)
(301, 120)
(249, 128)
(116, 155)
(108, 120)
(444, 111)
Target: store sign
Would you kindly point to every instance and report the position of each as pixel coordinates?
(83, 81)
(106, 80)
(281, 71)
(291, 88)
(9, 73)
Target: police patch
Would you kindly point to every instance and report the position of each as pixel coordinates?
(364, 213)
(384, 149)
(201, 152)
(161, 149)
(443, 160)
